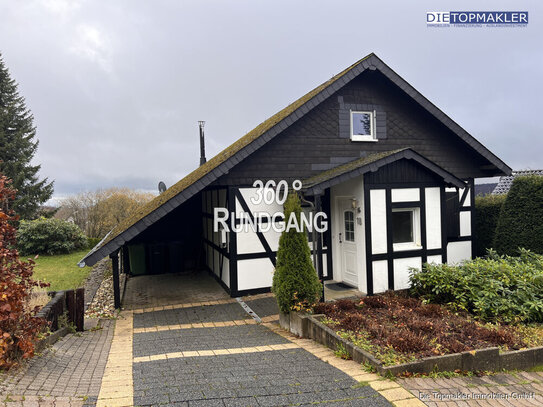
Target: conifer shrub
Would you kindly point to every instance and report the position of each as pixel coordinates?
(295, 281)
(487, 213)
(49, 236)
(521, 218)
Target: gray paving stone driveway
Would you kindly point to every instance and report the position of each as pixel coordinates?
(199, 314)
(283, 377)
(263, 307)
(152, 343)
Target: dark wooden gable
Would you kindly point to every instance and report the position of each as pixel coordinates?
(318, 142)
(403, 172)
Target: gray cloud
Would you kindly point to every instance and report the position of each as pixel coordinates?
(117, 88)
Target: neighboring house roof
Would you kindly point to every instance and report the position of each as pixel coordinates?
(256, 138)
(317, 184)
(504, 185)
(485, 189)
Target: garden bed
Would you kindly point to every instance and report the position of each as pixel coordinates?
(394, 330)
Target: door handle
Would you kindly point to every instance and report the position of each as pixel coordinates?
(340, 241)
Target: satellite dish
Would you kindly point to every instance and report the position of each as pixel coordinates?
(161, 187)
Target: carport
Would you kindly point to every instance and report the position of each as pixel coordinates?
(163, 260)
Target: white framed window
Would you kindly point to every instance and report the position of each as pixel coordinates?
(405, 229)
(348, 217)
(363, 126)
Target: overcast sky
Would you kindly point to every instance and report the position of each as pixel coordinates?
(117, 87)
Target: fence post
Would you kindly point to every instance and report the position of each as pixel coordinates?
(80, 309)
(70, 304)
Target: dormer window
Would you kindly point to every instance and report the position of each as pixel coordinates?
(363, 126)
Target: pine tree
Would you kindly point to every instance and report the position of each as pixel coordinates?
(17, 148)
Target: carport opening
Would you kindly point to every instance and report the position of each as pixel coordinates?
(171, 245)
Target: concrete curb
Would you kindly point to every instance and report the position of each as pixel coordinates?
(51, 339)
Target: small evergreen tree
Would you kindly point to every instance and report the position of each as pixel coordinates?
(295, 280)
(521, 219)
(17, 148)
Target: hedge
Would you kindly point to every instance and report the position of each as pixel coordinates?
(521, 219)
(487, 212)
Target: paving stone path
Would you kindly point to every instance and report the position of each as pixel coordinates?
(69, 373)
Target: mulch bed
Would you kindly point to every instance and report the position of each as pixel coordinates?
(405, 325)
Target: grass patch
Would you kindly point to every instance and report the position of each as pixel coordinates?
(61, 270)
(538, 368)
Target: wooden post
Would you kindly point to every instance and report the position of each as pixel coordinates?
(80, 309)
(126, 260)
(116, 286)
(70, 305)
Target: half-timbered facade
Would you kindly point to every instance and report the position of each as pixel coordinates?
(393, 174)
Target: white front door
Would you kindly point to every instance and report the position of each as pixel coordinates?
(347, 242)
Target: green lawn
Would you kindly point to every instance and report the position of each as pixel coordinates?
(61, 270)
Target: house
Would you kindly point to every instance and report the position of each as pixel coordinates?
(485, 189)
(504, 185)
(392, 173)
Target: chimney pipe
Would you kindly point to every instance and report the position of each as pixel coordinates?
(202, 143)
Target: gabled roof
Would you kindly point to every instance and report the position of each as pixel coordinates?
(256, 138)
(326, 179)
(504, 185)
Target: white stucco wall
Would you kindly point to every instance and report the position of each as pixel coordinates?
(378, 221)
(401, 271)
(465, 223)
(380, 276)
(458, 251)
(255, 273)
(433, 217)
(405, 195)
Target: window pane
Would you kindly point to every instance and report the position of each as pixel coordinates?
(402, 227)
(349, 226)
(361, 124)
